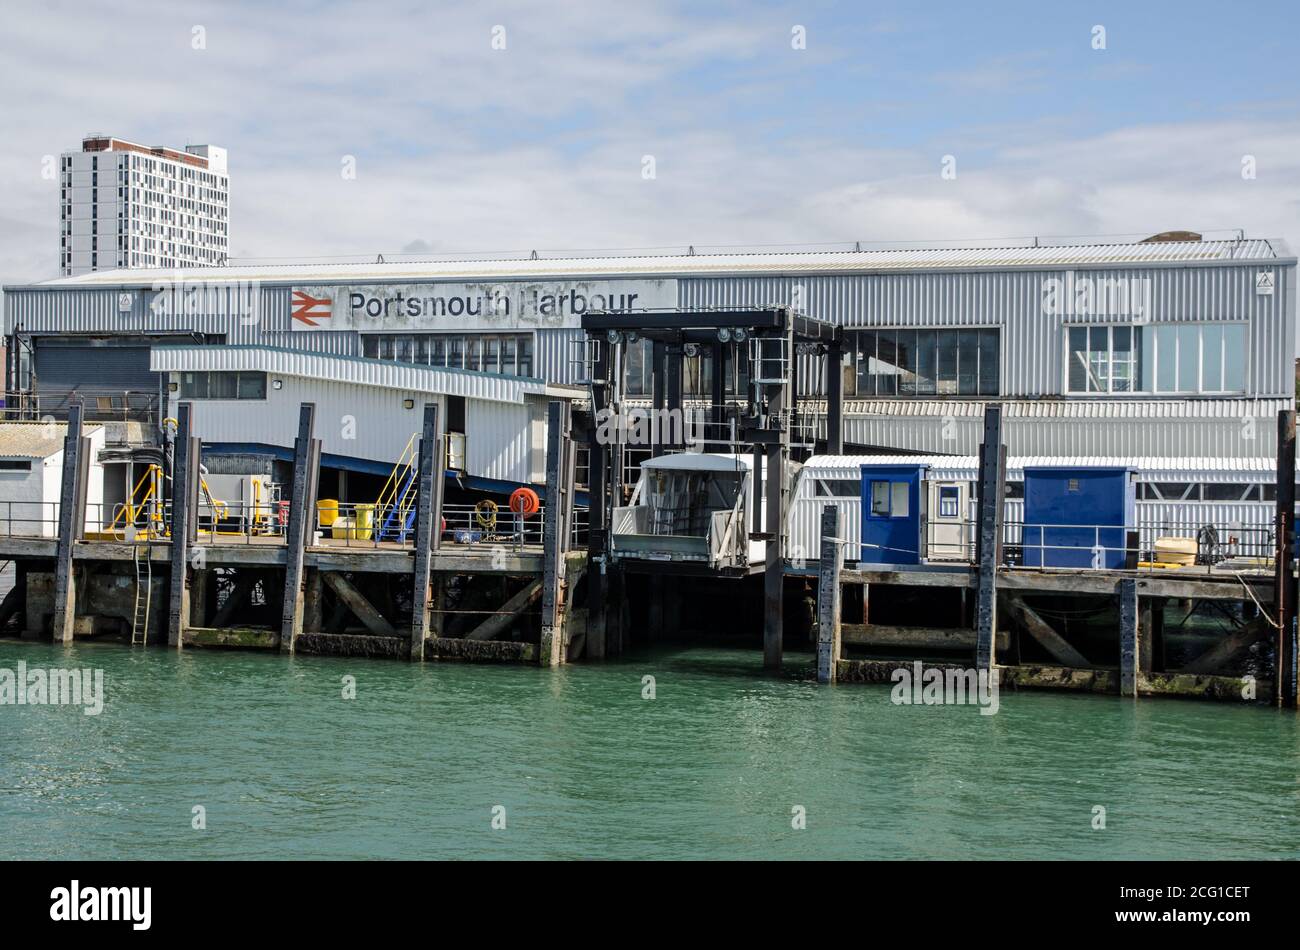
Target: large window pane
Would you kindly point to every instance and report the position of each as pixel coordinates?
(866, 355)
(509, 346)
(989, 363)
(1098, 359)
(252, 385)
(1166, 359)
(905, 341)
(1146, 359)
(222, 386)
(1234, 358)
(1122, 359)
(967, 362)
(1189, 358)
(885, 367)
(925, 362)
(946, 369)
(1078, 365)
(526, 356)
(1211, 358)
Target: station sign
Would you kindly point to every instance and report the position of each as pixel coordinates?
(502, 305)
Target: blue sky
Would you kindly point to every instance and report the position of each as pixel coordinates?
(462, 147)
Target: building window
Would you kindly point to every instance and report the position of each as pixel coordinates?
(923, 362)
(215, 385)
(15, 465)
(1162, 358)
(509, 355)
(1104, 359)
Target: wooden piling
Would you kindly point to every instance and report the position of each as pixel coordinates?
(555, 533)
(300, 522)
(185, 476)
(1284, 585)
(992, 489)
(65, 583)
(428, 510)
(1130, 648)
(184, 466)
(774, 529)
(828, 596)
(598, 490)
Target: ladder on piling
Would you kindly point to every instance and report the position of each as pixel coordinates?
(143, 593)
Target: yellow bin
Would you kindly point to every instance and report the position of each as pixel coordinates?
(357, 528)
(327, 510)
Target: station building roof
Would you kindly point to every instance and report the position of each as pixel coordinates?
(765, 263)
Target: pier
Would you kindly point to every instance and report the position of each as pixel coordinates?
(703, 532)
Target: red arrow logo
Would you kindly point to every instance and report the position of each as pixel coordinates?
(306, 307)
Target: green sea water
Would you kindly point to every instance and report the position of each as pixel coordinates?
(576, 763)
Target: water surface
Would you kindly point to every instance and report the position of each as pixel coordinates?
(585, 767)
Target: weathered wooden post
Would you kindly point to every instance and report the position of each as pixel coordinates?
(598, 493)
(1129, 635)
(555, 534)
(992, 488)
(428, 510)
(65, 582)
(1284, 586)
(184, 466)
(828, 596)
(300, 522)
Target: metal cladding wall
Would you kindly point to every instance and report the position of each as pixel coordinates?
(500, 441)
(1213, 428)
(242, 315)
(1033, 342)
(364, 422)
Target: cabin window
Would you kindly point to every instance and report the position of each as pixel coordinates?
(890, 499)
(837, 487)
(949, 496)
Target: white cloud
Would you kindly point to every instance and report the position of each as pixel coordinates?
(460, 147)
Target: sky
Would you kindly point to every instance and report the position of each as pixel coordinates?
(500, 128)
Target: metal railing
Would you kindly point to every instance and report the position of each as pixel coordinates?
(1086, 547)
(352, 525)
(99, 405)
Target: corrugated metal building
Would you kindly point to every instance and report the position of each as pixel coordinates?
(1165, 348)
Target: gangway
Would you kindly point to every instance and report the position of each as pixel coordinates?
(396, 502)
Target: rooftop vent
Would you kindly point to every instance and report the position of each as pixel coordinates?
(1164, 236)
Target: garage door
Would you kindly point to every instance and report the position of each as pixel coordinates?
(110, 378)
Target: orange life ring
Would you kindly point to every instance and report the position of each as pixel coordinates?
(524, 501)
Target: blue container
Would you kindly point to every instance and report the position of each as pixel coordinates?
(1079, 516)
(893, 514)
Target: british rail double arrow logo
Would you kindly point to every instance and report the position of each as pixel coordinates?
(309, 309)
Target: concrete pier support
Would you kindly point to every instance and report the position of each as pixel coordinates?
(71, 523)
(828, 596)
(300, 522)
